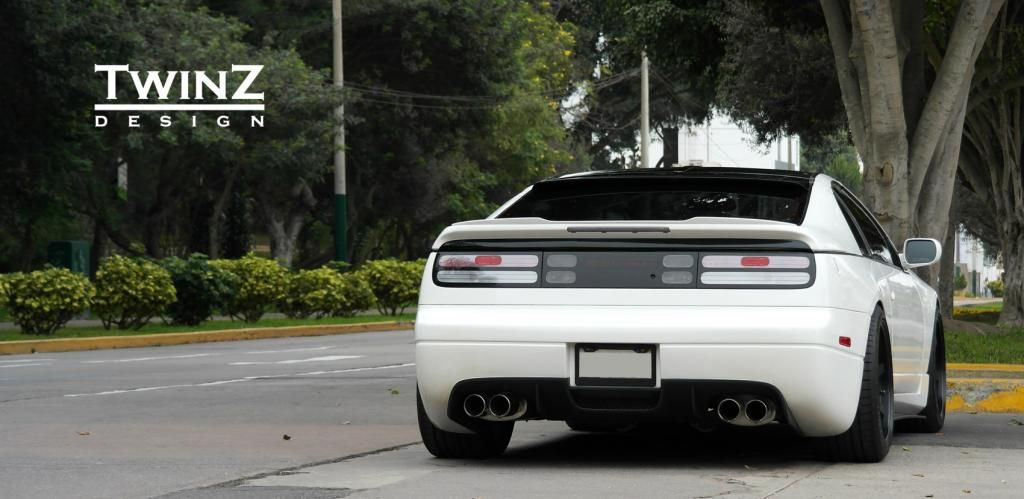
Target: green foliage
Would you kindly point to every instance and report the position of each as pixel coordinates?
(324, 292)
(959, 282)
(996, 287)
(3, 289)
(43, 301)
(131, 291)
(395, 283)
(260, 284)
(993, 348)
(201, 288)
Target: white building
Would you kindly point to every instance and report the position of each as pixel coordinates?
(723, 143)
(977, 267)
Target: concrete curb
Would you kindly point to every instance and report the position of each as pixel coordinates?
(985, 395)
(165, 339)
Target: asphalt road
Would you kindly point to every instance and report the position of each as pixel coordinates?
(209, 421)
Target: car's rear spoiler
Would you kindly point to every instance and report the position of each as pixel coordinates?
(695, 228)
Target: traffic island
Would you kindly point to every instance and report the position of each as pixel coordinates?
(985, 388)
(167, 339)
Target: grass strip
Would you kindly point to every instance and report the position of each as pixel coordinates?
(158, 328)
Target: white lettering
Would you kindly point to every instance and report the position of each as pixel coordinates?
(111, 71)
(184, 85)
(223, 121)
(253, 120)
(242, 91)
(101, 121)
(220, 89)
(153, 79)
(193, 121)
(165, 121)
(133, 121)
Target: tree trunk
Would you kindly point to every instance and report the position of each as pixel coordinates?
(1013, 275)
(217, 217)
(947, 268)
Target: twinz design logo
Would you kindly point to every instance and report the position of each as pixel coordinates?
(197, 92)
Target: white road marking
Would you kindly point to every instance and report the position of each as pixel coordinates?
(27, 365)
(21, 360)
(312, 349)
(141, 359)
(326, 358)
(240, 380)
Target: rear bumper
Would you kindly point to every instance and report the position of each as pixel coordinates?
(703, 353)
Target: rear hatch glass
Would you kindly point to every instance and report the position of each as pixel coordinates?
(660, 198)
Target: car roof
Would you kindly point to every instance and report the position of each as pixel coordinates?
(692, 172)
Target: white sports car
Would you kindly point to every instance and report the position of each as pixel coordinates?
(707, 296)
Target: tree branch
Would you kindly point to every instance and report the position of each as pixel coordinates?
(969, 34)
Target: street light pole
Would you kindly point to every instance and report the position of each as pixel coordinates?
(645, 112)
(340, 194)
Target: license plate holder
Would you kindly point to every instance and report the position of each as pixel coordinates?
(615, 365)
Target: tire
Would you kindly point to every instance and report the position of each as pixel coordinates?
(933, 417)
(448, 445)
(869, 437)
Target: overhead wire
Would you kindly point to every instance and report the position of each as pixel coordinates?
(386, 96)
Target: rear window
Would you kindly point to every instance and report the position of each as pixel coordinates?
(661, 199)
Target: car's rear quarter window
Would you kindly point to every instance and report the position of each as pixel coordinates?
(581, 199)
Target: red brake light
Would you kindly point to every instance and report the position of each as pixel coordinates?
(845, 341)
(754, 261)
(487, 260)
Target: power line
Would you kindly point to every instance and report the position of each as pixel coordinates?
(387, 96)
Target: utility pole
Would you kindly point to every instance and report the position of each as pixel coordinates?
(340, 191)
(645, 112)
(789, 153)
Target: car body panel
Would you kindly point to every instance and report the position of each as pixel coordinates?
(788, 338)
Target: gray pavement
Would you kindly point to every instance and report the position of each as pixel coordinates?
(209, 420)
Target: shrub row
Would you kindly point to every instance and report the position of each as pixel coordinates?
(130, 292)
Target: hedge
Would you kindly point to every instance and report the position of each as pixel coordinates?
(43, 301)
(201, 288)
(261, 283)
(131, 291)
(395, 283)
(325, 292)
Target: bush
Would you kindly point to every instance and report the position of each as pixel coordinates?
(972, 314)
(43, 301)
(201, 288)
(960, 282)
(358, 296)
(395, 284)
(3, 289)
(261, 283)
(131, 291)
(324, 292)
(996, 287)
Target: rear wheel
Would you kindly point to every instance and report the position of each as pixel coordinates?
(933, 417)
(869, 437)
(490, 442)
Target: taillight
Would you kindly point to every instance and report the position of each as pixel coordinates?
(758, 271)
(623, 269)
(511, 269)
(757, 261)
(497, 261)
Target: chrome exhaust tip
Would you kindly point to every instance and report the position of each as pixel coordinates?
(759, 411)
(474, 405)
(500, 406)
(728, 410)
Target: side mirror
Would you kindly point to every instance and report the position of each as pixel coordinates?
(919, 252)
